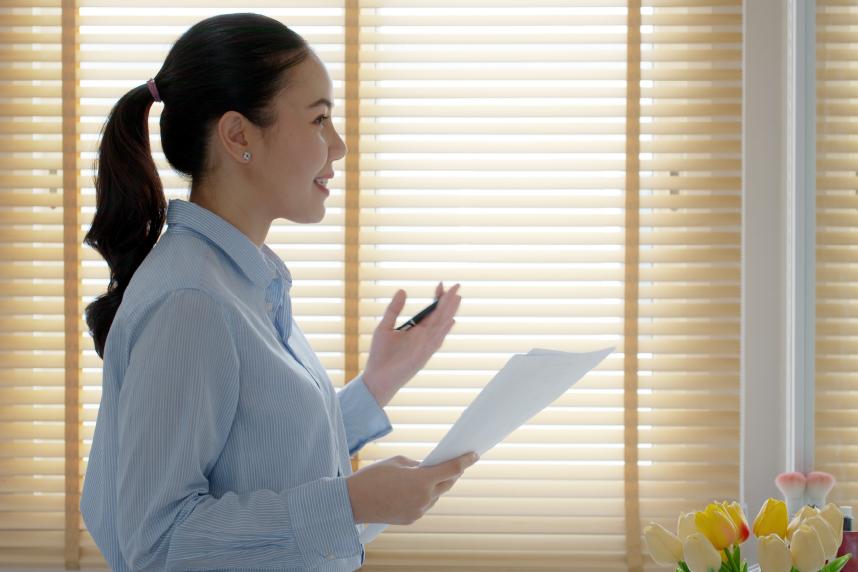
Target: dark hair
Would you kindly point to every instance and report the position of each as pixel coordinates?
(233, 62)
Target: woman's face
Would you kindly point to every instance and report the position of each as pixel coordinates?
(294, 164)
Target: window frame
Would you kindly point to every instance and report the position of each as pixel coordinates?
(779, 226)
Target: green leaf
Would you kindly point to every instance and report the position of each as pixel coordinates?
(733, 561)
(836, 565)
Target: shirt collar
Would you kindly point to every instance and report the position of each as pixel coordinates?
(260, 264)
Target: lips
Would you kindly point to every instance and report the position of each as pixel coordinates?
(322, 184)
(322, 181)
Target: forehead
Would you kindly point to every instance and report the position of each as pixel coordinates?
(308, 82)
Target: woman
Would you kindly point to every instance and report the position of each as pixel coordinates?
(220, 441)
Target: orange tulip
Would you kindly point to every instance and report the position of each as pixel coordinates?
(715, 523)
(772, 519)
(739, 521)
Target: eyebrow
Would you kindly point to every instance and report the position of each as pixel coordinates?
(321, 101)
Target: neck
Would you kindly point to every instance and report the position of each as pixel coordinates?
(234, 208)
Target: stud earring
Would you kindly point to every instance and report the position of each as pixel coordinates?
(246, 156)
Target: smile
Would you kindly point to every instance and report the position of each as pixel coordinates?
(322, 184)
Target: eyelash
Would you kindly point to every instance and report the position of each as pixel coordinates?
(321, 119)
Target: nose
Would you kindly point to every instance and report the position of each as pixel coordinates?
(337, 148)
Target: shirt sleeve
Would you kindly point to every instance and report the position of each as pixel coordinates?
(176, 406)
(364, 419)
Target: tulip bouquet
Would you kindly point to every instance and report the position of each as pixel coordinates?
(704, 541)
(709, 540)
(807, 544)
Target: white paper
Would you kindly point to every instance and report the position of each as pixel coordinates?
(526, 385)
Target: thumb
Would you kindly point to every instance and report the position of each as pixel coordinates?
(452, 468)
(388, 321)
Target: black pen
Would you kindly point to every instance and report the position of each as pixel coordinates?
(419, 317)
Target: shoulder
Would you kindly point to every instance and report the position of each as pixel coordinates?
(184, 277)
(184, 261)
(181, 312)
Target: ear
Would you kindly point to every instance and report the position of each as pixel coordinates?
(233, 133)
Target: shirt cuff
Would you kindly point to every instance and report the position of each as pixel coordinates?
(323, 521)
(363, 418)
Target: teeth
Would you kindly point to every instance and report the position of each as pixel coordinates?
(323, 182)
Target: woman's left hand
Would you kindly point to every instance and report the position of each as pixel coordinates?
(396, 356)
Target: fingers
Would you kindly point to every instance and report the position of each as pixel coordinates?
(444, 331)
(448, 305)
(444, 486)
(452, 468)
(393, 310)
(405, 461)
(439, 290)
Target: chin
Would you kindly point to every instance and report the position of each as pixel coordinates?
(309, 217)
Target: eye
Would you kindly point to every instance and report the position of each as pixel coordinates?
(321, 119)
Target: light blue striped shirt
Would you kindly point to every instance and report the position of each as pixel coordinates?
(220, 443)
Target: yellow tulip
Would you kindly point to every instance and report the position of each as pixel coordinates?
(739, 521)
(826, 535)
(805, 512)
(700, 555)
(773, 554)
(685, 525)
(717, 526)
(664, 547)
(772, 519)
(832, 515)
(806, 549)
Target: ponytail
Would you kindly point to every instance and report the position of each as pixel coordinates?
(130, 205)
(227, 62)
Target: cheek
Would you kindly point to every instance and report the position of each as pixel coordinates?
(306, 153)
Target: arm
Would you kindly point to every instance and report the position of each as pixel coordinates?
(176, 407)
(363, 417)
(394, 358)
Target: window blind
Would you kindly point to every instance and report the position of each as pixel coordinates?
(690, 256)
(489, 145)
(492, 154)
(493, 143)
(31, 284)
(836, 441)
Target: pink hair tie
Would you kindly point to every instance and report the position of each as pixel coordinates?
(153, 89)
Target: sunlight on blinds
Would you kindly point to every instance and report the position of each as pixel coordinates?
(31, 285)
(492, 154)
(691, 204)
(836, 448)
(491, 146)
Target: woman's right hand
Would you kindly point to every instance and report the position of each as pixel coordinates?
(399, 491)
